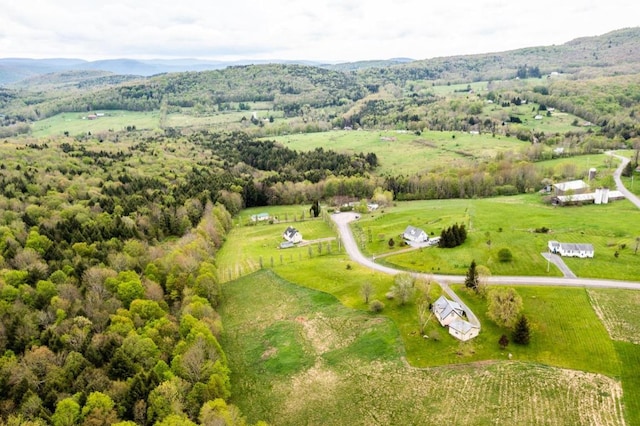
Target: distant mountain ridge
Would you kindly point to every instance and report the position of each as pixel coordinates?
(16, 69)
(617, 52)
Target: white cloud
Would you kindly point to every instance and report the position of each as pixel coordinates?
(330, 30)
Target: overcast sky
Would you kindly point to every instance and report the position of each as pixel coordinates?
(321, 30)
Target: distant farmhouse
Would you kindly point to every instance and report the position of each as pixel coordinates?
(577, 191)
(571, 250)
(450, 314)
(260, 217)
(415, 235)
(292, 235)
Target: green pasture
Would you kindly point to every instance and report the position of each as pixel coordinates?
(403, 153)
(508, 222)
(577, 167)
(248, 244)
(190, 117)
(337, 275)
(574, 339)
(556, 122)
(629, 355)
(298, 356)
(459, 89)
(77, 122)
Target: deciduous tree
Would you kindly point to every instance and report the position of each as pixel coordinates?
(403, 288)
(504, 306)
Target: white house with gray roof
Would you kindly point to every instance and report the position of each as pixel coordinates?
(571, 249)
(451, 314)
(292, 234)
(446, 310)
(415, 235)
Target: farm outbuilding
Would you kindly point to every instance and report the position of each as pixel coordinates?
(572, 187)
(463, 330)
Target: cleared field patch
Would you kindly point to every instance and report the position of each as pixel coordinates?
(619, 311)
(402, 153)
(298, 356)
(78, 122)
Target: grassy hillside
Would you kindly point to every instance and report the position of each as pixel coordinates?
(299, 357)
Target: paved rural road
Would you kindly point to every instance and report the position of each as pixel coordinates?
(616, 176)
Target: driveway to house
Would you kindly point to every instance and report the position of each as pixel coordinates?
(557, 260)
(616, 176)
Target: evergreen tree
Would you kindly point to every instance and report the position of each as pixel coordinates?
(463, 233)
(315, 209)
(521, 334)
(471, 280)
(504, 341)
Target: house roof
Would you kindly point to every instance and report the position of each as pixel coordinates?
(413, 231)
(572, 185)
(588, 196)
(576, 247)
(290, 231)
(461, 325)
(445, 307)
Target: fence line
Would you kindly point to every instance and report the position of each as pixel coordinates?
(284, 257)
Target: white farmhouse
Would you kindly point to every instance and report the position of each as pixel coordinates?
(447, 311)
(450, 314)
(415, 235)
(571, 250)
(291, 234)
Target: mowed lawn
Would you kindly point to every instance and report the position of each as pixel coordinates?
(508, 222)
(298, 356)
